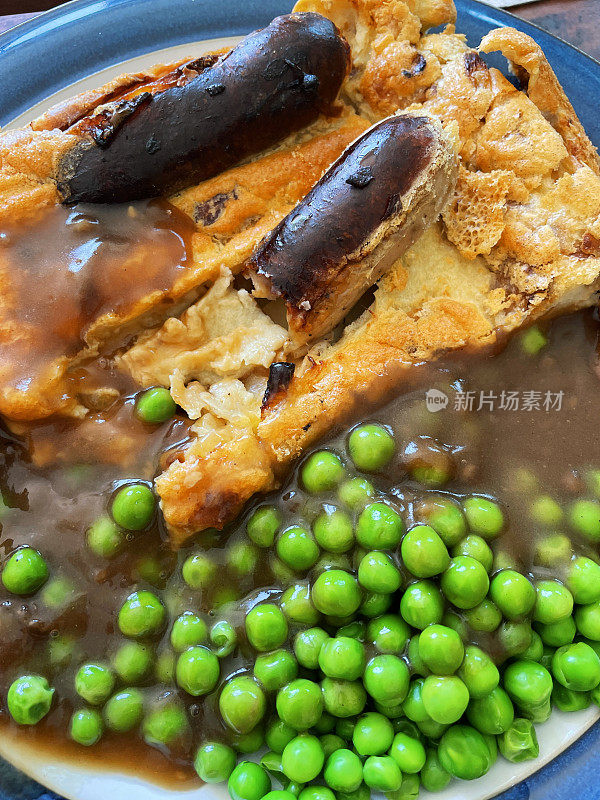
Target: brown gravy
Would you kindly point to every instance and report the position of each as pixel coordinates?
(51, 507)
(70, 267)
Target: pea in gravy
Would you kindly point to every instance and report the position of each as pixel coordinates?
(513, 450)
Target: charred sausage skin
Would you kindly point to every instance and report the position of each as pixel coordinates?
(276, 81)
(365, 211)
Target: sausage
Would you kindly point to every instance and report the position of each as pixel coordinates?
(276, 81)
(359, 218)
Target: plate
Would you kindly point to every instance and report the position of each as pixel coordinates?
(83, 44)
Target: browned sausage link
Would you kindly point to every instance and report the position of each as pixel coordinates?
(276, 81)
(367, 209)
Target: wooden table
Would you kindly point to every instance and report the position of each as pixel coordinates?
(576, 21)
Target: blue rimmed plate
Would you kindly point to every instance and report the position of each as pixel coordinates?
(83, 44)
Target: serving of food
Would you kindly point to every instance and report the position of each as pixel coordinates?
(299, 377)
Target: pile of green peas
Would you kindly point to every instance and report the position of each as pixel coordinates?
(388, 656)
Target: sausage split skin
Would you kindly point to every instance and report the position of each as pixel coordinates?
(276, 81)
(366, 210)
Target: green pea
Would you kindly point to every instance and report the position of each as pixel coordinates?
(378, 573)
(248, 781)
(553, 602)
(423, 552)
(583, 580)
(86, 726)
(61, 651)
(155, 406)
(422, 604)
(278, 734)
(300, 704)
(333, 531)
(373, 734)
(478, 672)
(164, 669)
(388, 633)
(492, 714)
(242, 558)
(355, 492)
(532, 340)
(514, 637)
(441, 649)
(214, 762)
(546, 511)
(484, 517)
(297, 548)
(486, 616)
(274, 670)
(307, 646)
(322, 472)
(512, 593)
(386, 679)
(476, 547)
(519, 742)
(266, 627)
(445, 698)
(576, 667)
(336, 593)
(453, 620)
(431, 729)
(528, 683)
(332, 561)
(558, 633)
(197, 671)
(433, 776)
(374, 604)
(199, 571)
(242, 703)
(568, 700)
(124, 710)
(428, 462)
(343, 698)
(379, 527)
(29, 699)
(465, 582)
(464, 753)
(343, 658)
(94, 682)
(408, 753)
(535, 651)
(224, 638)
(58, 593)
(343, 771)
(133, 507)
(447, 520)
(262, 525)
(25, 571)
(250, 742)
(584, 516)
(382, 774)
(281, 794)
(415, 662)
(297, 605)
(104, 539)
(142, 614)
(587, 619)
(330, 742)
(316, 793)
(553, 550)
(356, 629)
(303, 758)
(188, 630)
(371, 447)
(165, 724)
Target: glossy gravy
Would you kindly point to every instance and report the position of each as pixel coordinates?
(51, 507)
